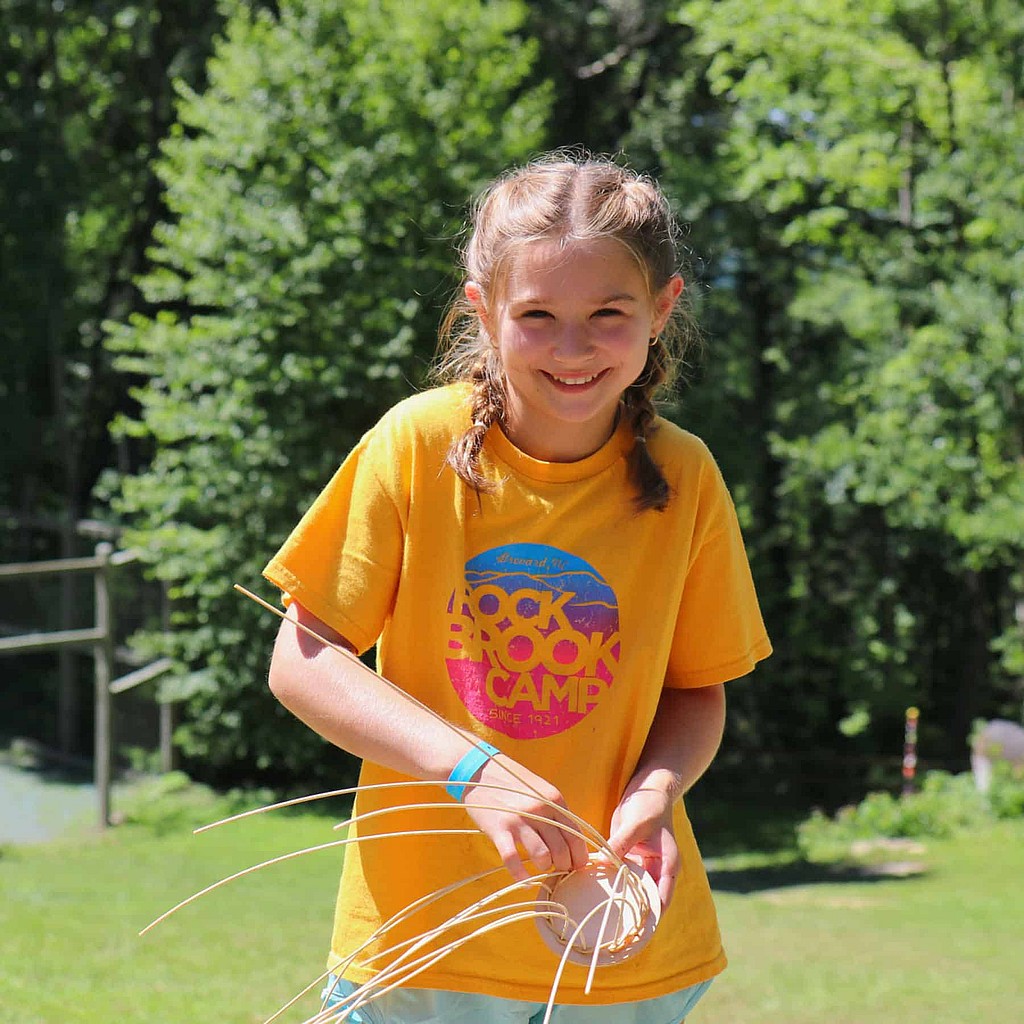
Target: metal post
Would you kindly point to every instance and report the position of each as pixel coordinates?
(67, 699)
(103, 659)
(166, 736)
(166, 707)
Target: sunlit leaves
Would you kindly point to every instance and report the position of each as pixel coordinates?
(875, 152)
(317, 188)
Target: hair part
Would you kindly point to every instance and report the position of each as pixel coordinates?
(567, 197)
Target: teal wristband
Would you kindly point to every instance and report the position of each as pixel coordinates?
(467, 767)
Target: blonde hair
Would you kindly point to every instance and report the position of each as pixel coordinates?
(568, 197)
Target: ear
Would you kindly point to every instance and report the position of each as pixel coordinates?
(665, 301)
(475, 297)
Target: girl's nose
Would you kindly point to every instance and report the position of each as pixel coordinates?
(573, 343)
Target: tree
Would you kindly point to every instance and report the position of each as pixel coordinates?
(872, 149)
(85, 97)
(601, 57)
(316, 190)
(84, 101)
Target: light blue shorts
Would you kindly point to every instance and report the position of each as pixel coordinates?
(426, 1006)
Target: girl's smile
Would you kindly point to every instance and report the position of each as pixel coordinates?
(576, 383)
(572, 326)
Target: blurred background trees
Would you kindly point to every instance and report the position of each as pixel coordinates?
(228, 235)
(86, 96)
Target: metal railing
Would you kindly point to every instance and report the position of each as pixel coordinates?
(100, 640)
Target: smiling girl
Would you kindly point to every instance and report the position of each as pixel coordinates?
(556, 571)
(572, 330)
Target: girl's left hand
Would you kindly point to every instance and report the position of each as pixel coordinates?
(642, 829)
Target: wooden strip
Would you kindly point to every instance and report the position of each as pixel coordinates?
(141, 675)
(30, 642)
(24, 570)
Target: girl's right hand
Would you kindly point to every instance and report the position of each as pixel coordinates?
(502, 817)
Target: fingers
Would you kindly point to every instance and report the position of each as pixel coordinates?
(669, 874)
(522, 827)
(565, 850)
(659, 855)
(517, 834)
(509, 854)
(633, 835)
(543, 848)
(623, 840)
(663, 866)
(642, 829)
(552, 849)
(579, 853)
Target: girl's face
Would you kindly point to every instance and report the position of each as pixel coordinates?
(572, 328)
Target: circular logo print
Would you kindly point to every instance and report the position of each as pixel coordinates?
(534, 639)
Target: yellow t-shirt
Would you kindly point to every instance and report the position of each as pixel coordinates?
(545, 618)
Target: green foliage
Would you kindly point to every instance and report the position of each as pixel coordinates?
(272, 255)
(862, 209)
(601, 58)
(85, 96)
(1006, 790)
(945, 805)
(316, 190)
(173, 804)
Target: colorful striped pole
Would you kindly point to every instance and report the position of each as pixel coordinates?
(910, 750)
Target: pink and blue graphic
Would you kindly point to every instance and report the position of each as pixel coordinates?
(534, 639)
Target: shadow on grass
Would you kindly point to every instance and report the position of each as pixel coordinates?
(749, 843)
(746, 880)
(731, 826)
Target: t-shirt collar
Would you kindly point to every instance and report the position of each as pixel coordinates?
(618, 445)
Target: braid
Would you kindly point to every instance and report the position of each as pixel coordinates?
(488, 407)
(653, 491)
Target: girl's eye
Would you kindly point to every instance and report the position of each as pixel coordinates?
(608, 312)
(535, 314)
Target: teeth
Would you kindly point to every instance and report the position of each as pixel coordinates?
(575, 380)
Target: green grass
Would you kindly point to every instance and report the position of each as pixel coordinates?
(70, 913)
(940, 948)
(807, 946)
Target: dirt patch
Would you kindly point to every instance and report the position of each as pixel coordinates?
(39, 802)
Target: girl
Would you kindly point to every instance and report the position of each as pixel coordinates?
(556, 571)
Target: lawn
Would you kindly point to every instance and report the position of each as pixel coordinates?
(70, 913)
(807, 946)
(943, 947)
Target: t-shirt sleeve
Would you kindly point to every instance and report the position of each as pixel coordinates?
(719, 633)
(342, 561)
